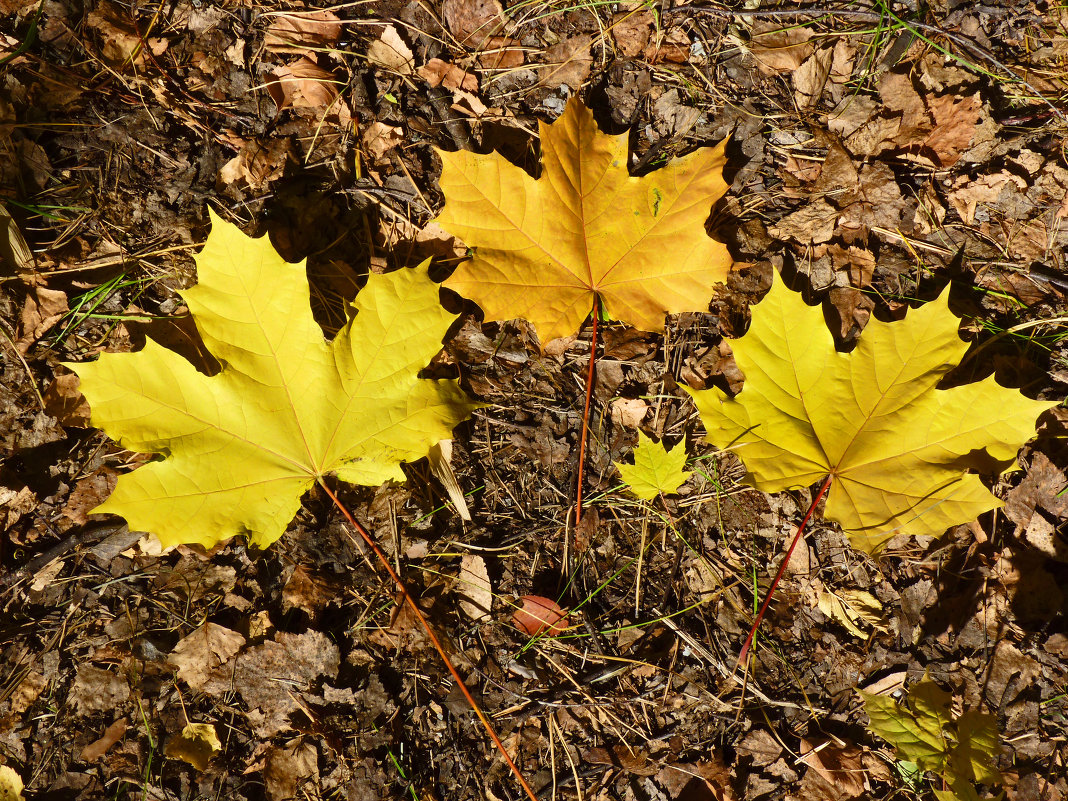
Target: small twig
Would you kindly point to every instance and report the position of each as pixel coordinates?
(432, 635)
(782, 569)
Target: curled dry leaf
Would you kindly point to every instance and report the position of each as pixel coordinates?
(304, 84)
(43, 309)
(257, 164)
(96, 749)
(540, 616)
(780, 49)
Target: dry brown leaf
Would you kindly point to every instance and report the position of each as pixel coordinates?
(96, 749)
(500, 53)
(759, 747)
(472, 22)
(672, 45)
(304, 84)
(631, 29)
(405, 632)
(628, 412)
(899, 95)
(64, 401)
(697, 781)
(390, 52)
(305, 591)
(567, 62)
(858, 262)
(288, 766)
(474, 588)
(810, 78)
(540, 616)
(778, 49)
(199, 656)
(299, 32)
(379, 139)
(120, 41)
(441, 73)
(42, 309)
(840, 768)
(878, 202)
(631, 760)
(14, 250)
(257, 164)
(803, 170)
(812, 223)
(839, 173)
(967, 194)
(271, 677)
(89, 493)
(955, 119)
(97, 690)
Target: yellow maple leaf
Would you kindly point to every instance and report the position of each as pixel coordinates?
(241, 447)
(196, 744)
(655, 470)
(544, 249)
(898, 449)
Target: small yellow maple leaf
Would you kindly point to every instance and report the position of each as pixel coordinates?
(655, 470)
(898, 448)
(196, 744)
(241, 447)
(544, 249)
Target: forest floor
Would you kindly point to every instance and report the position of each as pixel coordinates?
(876, 155)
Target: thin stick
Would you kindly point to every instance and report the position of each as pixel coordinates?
(433, 637)
(586, 409)
(782, 569)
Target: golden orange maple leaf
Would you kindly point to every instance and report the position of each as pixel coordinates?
(898, 449)
(544, 249)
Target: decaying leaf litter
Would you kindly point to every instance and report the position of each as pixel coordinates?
(864, 164)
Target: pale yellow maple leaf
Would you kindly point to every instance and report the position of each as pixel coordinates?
(288, 408)
(196, 744)
(543, 249)
(898, 449)
(655, 470)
